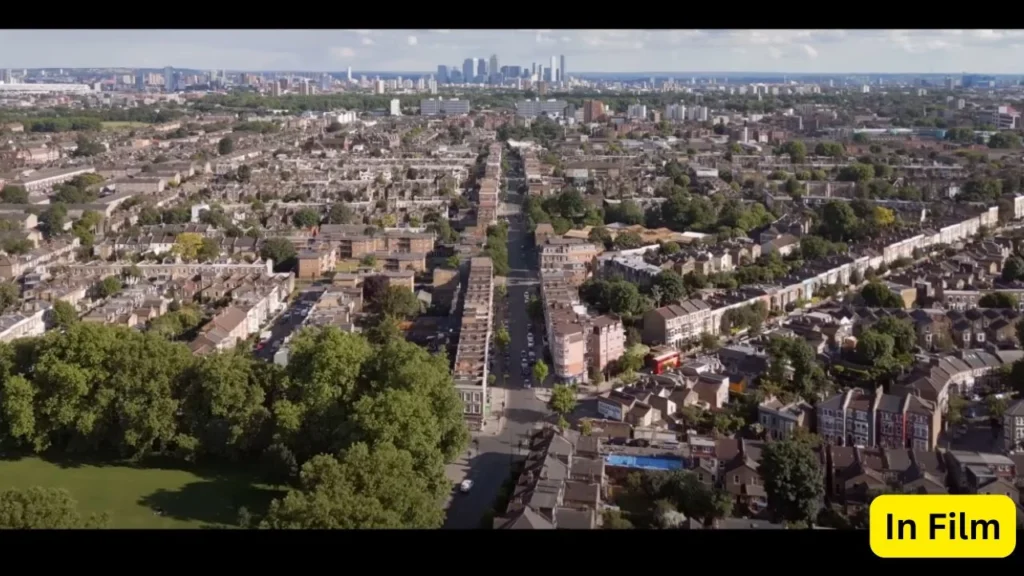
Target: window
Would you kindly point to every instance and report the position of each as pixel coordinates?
(736, 479)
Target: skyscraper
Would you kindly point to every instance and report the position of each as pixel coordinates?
(468, 70)
(169, 79)
(7, 77)
(442, 74)
(349, 75)
(481, 68)
(561, 68)
(495, 73)
(554, 69)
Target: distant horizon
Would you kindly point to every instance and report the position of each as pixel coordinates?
(587, 52)
(704, 74)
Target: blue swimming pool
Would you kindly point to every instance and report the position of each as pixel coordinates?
(644, 462)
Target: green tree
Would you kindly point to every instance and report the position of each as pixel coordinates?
(396, 301)
(839, 222)
(996, 406)
(709, 342)
(444, 231)
(998, 300)
(225, 146)
(209, 249)
(392, 391)
(535, 308)
(281, 251)
(796, 150)
(109, 286)
(873, 347)
(43, 508)
(10, 294)
(306, 218)
(94, 389)
(955, 410)
(633, 359)
(187, 246)
(628, 241)
(586, 427)
(14, 195)
(340, 214)
(87, 147)
(502, 338)
(52, 220)
(563, 398)
(877, 294)
(613, 520)
(669, 285)
(1013, 269)
(225, 410)
(64, 314)
(540, 371)
(793, 481)
(366, 489)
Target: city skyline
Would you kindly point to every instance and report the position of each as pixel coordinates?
(587, 51)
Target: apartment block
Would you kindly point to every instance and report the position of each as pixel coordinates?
(356, 241)
(314, 263)
(470, 368)
(607, 341)
(565, 324)
(573, 257)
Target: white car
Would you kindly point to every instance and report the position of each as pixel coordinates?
(466, 486)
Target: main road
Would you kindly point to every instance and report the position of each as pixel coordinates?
(491, 456)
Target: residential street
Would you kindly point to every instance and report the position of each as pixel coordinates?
(489, 465)
(289, 321)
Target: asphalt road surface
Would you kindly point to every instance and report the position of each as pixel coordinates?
(289, 321)
(490, 459)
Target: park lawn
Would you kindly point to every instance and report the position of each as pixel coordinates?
(122, 125)
(131, 495)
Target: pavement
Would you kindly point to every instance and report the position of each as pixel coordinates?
(489, 459)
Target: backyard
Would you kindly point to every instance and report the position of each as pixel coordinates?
(144, 497)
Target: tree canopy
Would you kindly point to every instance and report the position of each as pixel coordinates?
(344, 410)
(793, 480)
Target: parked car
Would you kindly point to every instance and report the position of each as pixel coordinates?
(466, 486)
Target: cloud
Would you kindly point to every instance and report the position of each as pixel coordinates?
(541, 38)
(361, 32)
(412, 41)
(441, 31)
(774, 52)
(342, 52)
(809, 50)
(366, 41)
(566, 39)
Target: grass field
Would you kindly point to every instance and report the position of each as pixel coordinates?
(131, 496)
(122, 125)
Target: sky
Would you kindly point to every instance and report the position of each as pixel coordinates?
(788, 51)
